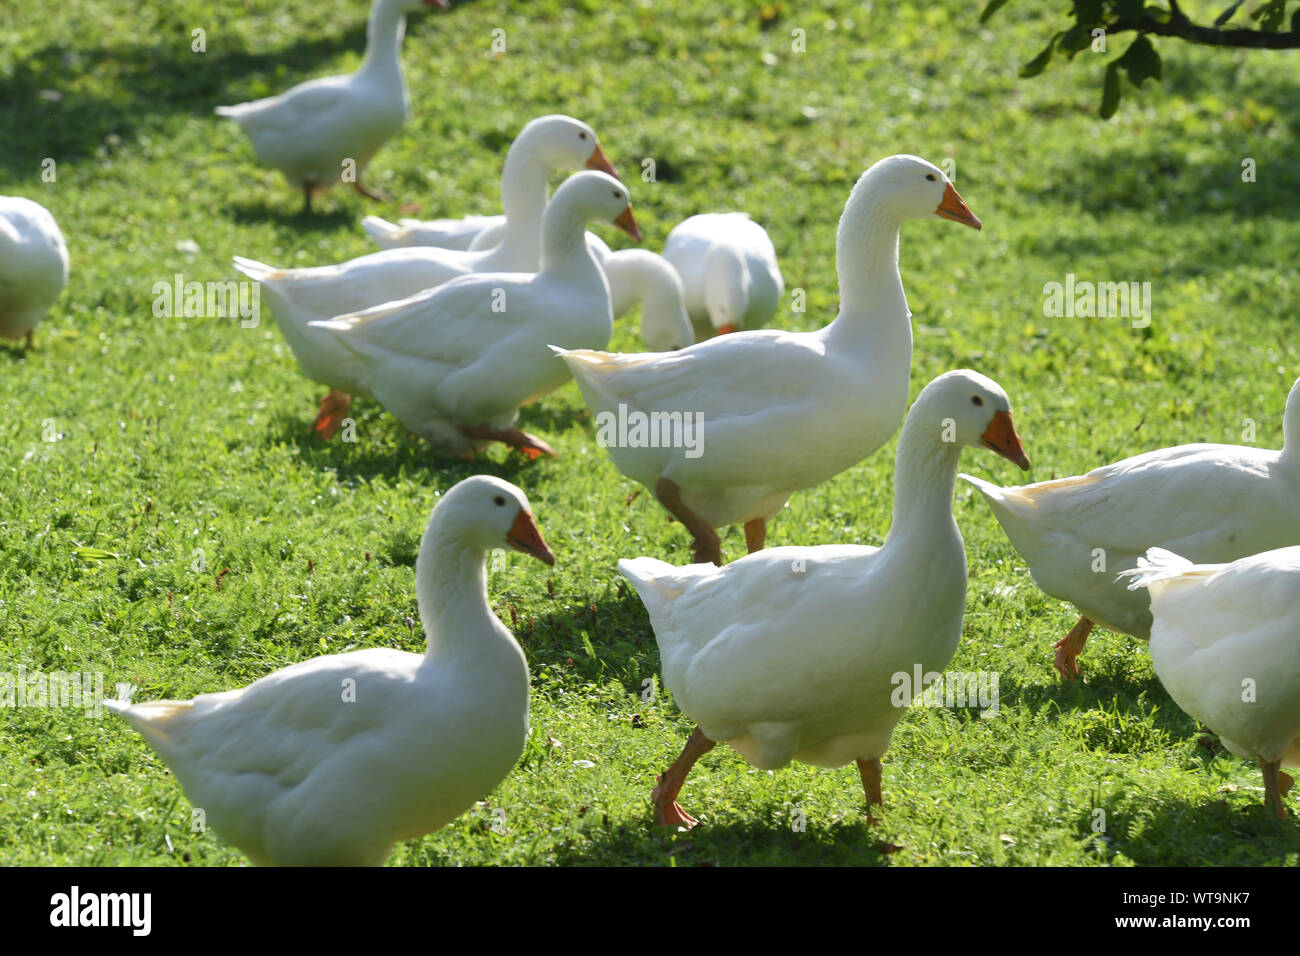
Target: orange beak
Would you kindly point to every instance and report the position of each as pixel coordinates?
(727, 329)
(598, 160)
(627, 223)
(525, 536)
(953, 208)
(1002, 438)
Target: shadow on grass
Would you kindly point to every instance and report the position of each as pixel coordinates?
(1213, 833)
(1152, 177)
(728, 843)
(277, 209)
(140, 82)
(393, 453)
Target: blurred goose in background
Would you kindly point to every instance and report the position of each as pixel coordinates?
(782, 411)
(546, 145)
(331, 761)
(326, 130)
(33, 266)
(729, 270)
(1225, 642)
(638, 275)
(454, 364)
(792, 653)
(301, 297)
(1210, 503)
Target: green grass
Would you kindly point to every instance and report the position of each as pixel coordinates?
(175, 435)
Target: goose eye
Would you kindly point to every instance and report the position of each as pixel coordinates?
(976, 400)
(930, 176)
(582, 135)
(617, 196)
(499, 501)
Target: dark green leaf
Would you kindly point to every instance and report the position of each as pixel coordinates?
(1140, 61)
(991, 8)
(1110, 90)
(1088, 13)
(1226, 15)
(1272, 14)
(1039, 63)
(1075, 39)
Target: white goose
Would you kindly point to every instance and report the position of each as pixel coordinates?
(792, 653)
(455, 363)
(333, 760)
(442, 233)
(299, 297)
(1225, 642)
(639, 275)
(783, 411)
(1211, 503)
(729, 270)
(312, 132)
(548, 144)
(33, 266)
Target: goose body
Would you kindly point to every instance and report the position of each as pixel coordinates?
(729, 271)
(333, 760)
(783, 411)
(33, 265)
(312, 132)
(861, 615)
(300, 297)
(443, 233)
(1225, 642)
(1210, 503)
(455, 363)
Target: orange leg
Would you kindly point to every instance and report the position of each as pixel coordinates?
(369, 193)
(333, 409)
(669, 783)
(869, 771)
(29, 339)
(307, 190)
(708, 546)
(1070, 647)
(530, 445)
(755, 534)
(1276, 783)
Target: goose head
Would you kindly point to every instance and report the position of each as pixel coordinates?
(592, 195)
(912, 188)
(563, 142)
(972, 409)
(484, 513)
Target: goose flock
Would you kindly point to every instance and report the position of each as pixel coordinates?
(455, 324)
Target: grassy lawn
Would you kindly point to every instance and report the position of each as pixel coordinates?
(243, 543)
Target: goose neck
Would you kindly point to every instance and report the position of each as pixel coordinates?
(1291, 426)
(564, 241)
(384, 32)
(524, 194)
(925, 472)
(451, 589)
(866, 258)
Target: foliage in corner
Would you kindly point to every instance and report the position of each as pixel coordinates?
(1096, 21)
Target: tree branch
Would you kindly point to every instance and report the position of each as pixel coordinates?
(1184, 29)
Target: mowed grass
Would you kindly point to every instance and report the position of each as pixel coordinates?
(244, 544)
